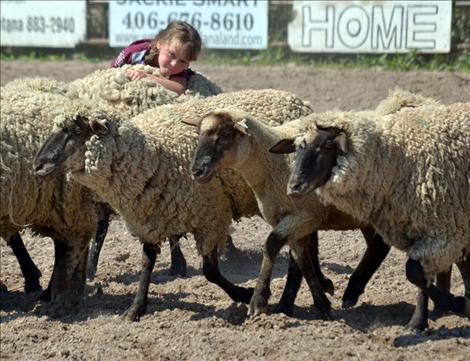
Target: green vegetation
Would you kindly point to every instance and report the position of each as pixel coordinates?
(283, 57)
(36, 56)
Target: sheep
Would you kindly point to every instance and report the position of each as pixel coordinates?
(60, 209)
(42, 84)
(408, 174)
(141, 168)
(232, 139)
(132, 97)
(30, 271)
(110, 86)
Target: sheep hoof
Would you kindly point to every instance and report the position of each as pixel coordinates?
(134, 313)
(257, 307)
(287, 310)
(324, 306)
(328, 286)
(347, 303)
(417, 325)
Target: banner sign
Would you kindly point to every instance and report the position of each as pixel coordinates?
(43, 23)
(371, 26)
(222, 24)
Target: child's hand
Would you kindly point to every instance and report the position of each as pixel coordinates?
(135, 74)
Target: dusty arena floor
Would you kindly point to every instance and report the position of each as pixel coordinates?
(190, 319)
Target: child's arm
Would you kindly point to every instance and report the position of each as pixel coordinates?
(177, 84)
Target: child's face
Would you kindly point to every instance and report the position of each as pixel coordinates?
(171, 58)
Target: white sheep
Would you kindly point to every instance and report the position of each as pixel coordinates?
(114, 87)
(141, 168)
(408, 174)
(131, 97)
(61, 209)
(42, 84)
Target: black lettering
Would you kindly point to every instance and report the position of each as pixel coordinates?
(11, 25)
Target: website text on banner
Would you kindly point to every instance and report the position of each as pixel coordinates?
(223, 24)
(60, 24)
(371, 26)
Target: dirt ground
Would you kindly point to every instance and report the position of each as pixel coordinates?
(190, 319)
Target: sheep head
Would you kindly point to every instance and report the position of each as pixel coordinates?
(316, 154)
(64, 149)
(221, 134)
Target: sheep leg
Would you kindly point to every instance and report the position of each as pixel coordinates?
(30, 272)
(294, 278)
(373, 257)
(419, 319)
(210, 268)
(301, 252)
(326, 283)
(60, 250)
(442, 299)
(68, 278)
(463, 305)
(139, 305)
(178, 262)
(262, 292)
(97, 244)
(442, 283)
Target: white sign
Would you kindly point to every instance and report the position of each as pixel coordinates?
(371, 26)
(43, 23)
(222, 24)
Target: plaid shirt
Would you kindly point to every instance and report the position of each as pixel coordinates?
(133, 54)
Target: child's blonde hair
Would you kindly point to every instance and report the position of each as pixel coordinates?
(180, 31)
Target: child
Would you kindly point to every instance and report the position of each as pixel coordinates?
(171, 51)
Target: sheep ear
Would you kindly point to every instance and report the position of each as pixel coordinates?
(241, 127)
(341, 142)
(99, 127)
(193, 121)
(284, 146)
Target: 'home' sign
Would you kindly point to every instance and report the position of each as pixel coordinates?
(371, 26)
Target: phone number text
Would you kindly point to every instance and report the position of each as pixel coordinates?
(215, 21)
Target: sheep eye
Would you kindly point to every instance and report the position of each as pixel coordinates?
(77, 130)
(329, 144)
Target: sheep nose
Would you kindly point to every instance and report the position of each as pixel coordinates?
(37, 167)
(196, 172)
(295, 189)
